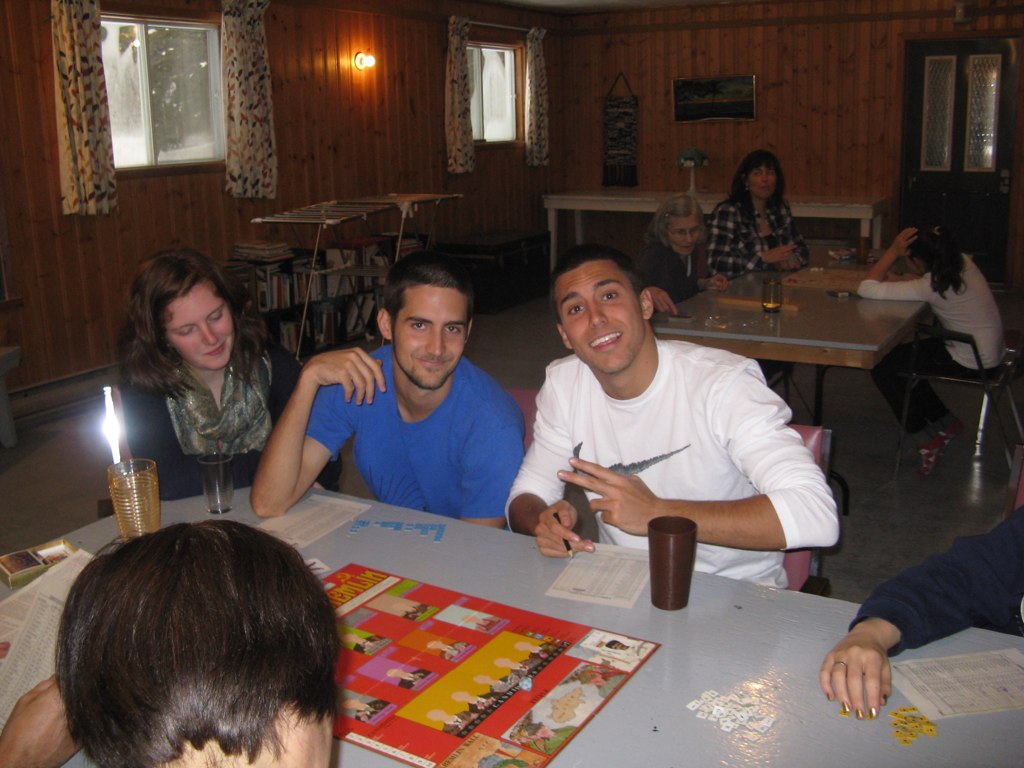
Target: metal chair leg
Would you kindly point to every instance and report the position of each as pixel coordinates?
(980, 434)
(911, 382)
(1016, 416)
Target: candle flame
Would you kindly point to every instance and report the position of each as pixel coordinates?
(111, 427)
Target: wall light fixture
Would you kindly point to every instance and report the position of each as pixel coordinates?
(363, 61)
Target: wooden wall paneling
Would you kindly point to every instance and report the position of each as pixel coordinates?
(756, 65)
(882, 160)
(823, 111)
(373, 174)
(299, 102)
(280, 24)
(658, 54)
(845, 46)
(15, 321)
(43, 178)
(829, 90)
(775, 82)
(800, 113)
(321, 44)
(79, 278)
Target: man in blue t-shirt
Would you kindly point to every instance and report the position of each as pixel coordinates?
(433, 431)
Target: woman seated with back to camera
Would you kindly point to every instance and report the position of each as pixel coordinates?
(753, 228)
(674, 262)
(960, 297)
(197, 373)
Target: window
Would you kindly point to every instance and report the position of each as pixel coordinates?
(494, 103)
(163, 84)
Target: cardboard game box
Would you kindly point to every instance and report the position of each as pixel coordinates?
(19, 568)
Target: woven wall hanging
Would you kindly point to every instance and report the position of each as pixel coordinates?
(620, 136)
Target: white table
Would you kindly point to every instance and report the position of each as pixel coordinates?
(733, 635)
(868, 211)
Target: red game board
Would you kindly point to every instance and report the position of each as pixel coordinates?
(433, 677)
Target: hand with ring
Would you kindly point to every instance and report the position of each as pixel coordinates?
(857, 671)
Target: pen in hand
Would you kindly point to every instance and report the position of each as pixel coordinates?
(568, 548)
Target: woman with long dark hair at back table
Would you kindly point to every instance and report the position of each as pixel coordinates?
(753, 228)
(960, 297)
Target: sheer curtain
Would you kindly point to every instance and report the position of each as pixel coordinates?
(458, 122)
(84, 141)
(251, 156)
(536, 99)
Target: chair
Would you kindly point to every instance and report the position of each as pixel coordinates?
(1015, 488)
(776, 373)
(803, 566)
(992, 382)
(526, 399)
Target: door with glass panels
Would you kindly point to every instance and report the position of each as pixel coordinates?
(958, 127)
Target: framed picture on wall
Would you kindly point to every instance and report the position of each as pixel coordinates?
(732, 97)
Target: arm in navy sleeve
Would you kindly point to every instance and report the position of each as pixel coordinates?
(979, 581)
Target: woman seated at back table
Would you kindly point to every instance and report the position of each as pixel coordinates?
(674, 262)
(962, 301)
(753, 228)
(197, 373)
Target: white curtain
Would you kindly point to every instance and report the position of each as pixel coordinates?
(251, 156)
(536, 99)
(85, 145)
(458, 122)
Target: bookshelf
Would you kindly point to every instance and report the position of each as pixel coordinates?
(310, 309)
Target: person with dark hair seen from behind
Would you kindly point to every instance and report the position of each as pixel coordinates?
(978, 582)
(962, 301)
(235, 666)
(674, 262)
(432, 431)
(753, 228)
(198, 375)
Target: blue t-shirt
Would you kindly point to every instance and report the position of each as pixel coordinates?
(459, 462)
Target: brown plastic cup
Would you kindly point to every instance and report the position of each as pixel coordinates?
(673, 544)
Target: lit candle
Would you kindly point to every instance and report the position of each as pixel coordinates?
(111, 427)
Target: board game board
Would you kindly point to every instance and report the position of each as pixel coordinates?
(433, 677)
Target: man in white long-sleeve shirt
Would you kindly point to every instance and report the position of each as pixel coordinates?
(650, 428)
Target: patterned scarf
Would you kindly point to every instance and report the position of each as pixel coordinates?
(240, 423)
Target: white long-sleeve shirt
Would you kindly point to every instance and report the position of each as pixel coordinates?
(972, 311)
(706, 429)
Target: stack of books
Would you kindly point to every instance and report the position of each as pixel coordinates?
(262, 251)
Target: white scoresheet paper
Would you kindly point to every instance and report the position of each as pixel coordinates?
(968, 684)
(610, 575)
(313, 518)
(29, 620)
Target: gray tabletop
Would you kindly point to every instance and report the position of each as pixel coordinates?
(851, 332)
(733, 637)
